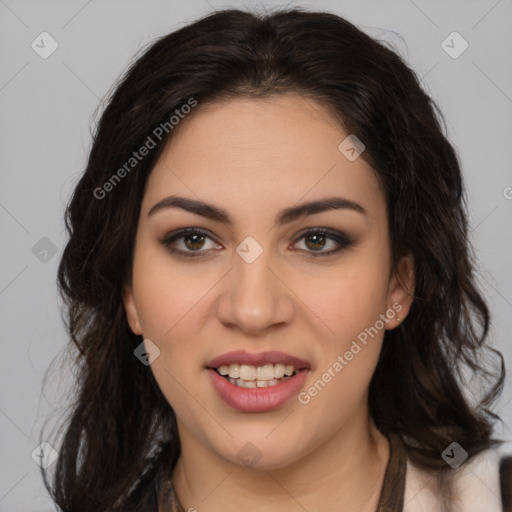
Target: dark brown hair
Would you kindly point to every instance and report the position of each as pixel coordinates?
(120, 426)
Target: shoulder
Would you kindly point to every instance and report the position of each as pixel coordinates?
(481, 483)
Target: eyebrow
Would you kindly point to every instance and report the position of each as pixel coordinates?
(283, 217)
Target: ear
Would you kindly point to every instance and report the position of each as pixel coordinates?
(130, 308)
(401, 290)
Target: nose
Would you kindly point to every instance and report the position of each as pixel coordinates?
(254, 297)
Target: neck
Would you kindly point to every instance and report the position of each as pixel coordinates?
(344, 473)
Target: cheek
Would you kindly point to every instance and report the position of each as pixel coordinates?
(169, 306)
(172, 305)
(351, 306)
(352, 298)
(168, 294)
(347, 359)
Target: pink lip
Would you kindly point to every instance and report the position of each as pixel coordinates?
(244, 357)
(256, 399)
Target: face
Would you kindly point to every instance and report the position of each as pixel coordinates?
(307, 291)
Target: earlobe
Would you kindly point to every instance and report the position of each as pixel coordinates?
(401, 290)
(130, 308)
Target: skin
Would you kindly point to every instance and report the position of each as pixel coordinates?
(254, 157)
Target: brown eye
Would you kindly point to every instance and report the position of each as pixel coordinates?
(194, 242)
(188, 242)
(316, 241)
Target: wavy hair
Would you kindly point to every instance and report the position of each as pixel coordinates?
(120, 427)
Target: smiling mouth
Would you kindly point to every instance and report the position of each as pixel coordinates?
(253, 383)
(249, 376)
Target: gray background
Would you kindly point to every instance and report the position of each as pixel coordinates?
(48, 105)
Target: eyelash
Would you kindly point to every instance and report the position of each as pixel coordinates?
(340, 238)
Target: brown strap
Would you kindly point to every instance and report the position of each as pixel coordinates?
(506, 482)
(393, 487)
(168, 501)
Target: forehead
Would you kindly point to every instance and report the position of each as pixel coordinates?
(253, 153)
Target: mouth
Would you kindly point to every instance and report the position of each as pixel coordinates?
(257, 382)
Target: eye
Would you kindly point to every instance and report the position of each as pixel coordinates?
(316, 240)
(192, 241)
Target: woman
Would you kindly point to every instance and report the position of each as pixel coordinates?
(270, 285)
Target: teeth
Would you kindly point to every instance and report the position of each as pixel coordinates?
(247, 372)
(248, 376)
(233, 371)
(267, 372)
(256, 383)
(223, 370)
(278, 371)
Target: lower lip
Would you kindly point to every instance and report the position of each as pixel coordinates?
(257, 399)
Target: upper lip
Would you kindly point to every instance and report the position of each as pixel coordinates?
(257, 359)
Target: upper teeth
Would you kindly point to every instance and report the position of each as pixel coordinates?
(249, 372)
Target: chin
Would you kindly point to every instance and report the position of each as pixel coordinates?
(263, 453)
